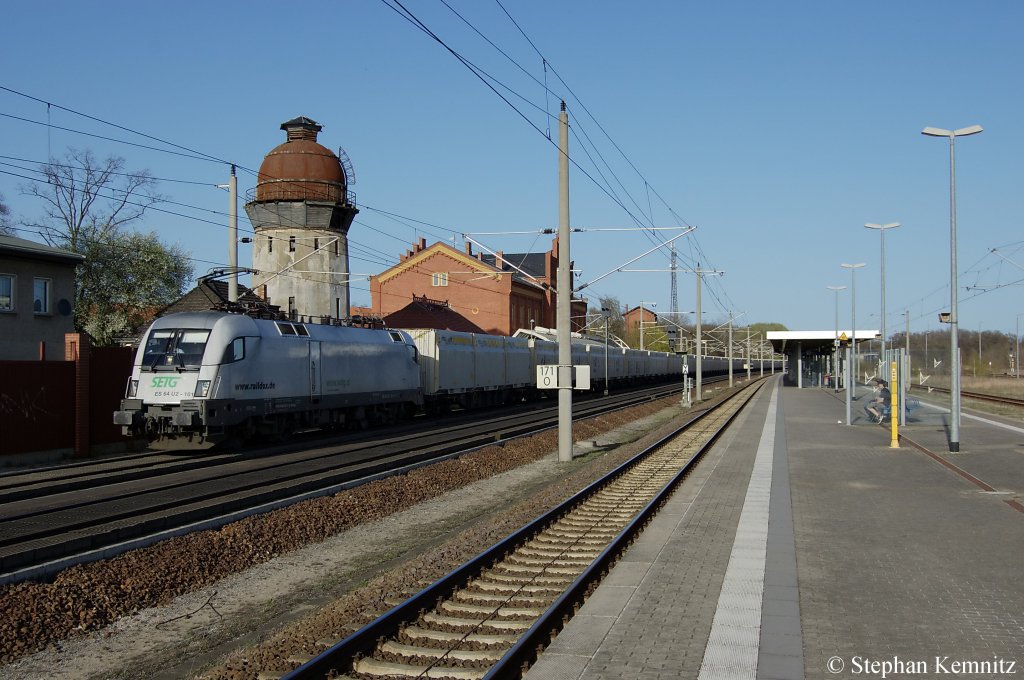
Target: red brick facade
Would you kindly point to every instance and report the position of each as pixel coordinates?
(485, 289)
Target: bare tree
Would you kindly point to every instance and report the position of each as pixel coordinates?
(89, 199)
(5, 219)
(616, 323)
(125, 274)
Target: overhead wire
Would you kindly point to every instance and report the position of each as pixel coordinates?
(606, 186)
(693, 239)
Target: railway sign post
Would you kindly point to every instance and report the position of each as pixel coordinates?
(549, 377)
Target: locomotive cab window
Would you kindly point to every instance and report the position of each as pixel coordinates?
(175, 348)
(235, 351)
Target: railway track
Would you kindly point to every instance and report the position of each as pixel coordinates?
(51, 519)
(981, 396)
(488, 618)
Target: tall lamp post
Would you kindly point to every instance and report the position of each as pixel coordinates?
(881, 232)
(835, 347)
(954, 340)
(853, 317)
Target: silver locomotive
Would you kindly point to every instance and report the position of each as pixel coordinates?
(203, 377)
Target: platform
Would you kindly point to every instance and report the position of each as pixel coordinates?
(802, 547)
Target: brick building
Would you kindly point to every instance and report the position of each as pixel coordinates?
(640, 318)
(496, 293)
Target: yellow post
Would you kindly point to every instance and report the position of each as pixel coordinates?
(894, 403)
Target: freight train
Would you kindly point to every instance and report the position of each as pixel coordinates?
(200, 378)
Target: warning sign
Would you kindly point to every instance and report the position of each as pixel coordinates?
(842, 337)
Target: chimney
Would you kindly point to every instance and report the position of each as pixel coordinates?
(469, 248)
(499, 259)
(301, 128)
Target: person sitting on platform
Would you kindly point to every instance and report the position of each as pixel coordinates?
(881, 399)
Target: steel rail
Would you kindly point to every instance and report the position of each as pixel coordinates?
(981, 396)
(93, 535)
(339, 657)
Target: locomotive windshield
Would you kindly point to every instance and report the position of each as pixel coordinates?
(175, 348)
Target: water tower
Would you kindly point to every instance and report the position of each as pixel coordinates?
(301, 210)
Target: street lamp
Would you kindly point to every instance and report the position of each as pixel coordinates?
(853, 314)
(653, 304)
(835, 347)
(881, 232)
(954, 340)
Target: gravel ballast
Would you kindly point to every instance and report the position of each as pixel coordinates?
(175, 608)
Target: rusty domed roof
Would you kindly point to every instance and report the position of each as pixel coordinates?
(301, 169)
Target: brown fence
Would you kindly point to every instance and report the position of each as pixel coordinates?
(55, 405)
(37, 406)
(111, 367)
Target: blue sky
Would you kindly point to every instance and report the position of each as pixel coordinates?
(777, 129)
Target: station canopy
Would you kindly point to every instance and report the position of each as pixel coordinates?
(816, 342)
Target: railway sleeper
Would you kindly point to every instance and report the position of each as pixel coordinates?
(420, 633)
(475, 623)
(520, 585)
(593, 534)
(617, 502)
(448, 654)
(546, 569)
(599, 518)
(483, 598)
(617, 506)
(371, 666)
(540, 580)
(515, 613)
(558, 544)
(577, 543)
(578, 564)
(569, 552)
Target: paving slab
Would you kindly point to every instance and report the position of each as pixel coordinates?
(875, 561)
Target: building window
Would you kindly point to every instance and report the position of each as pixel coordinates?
(337, 309)
(270, 244)
(6, 292)
(291, 244)
(316, 244)
(41, 296)
(440, 279)
(335, 246)
(291, 307)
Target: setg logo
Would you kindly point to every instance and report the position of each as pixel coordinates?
(165, 381)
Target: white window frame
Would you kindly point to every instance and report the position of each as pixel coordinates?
(12, 303)
(48, 284)
(439, 279)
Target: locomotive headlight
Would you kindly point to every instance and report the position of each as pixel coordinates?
(133, 388)
(202, 388)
